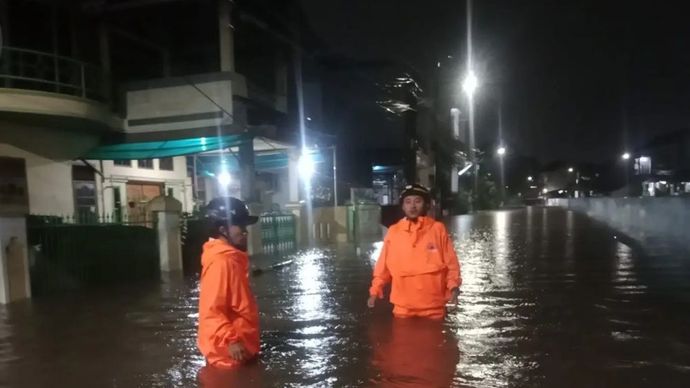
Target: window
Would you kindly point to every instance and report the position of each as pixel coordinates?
(84, 186)
(145, 163)
(13, 188)
(123, 163)
(166, 164)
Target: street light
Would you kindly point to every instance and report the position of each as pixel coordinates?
(224, 178)
(501, 151)
(571, 169)
(305, 166)
(530, 178)
(626, 156)
(470, 84)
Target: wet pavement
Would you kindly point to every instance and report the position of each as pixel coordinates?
(550, 299)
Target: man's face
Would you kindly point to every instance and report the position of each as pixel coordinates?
(237, 236)
(414, 206)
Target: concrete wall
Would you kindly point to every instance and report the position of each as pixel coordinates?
(14, 266)
(640, 218)
(49, 182)
(118, 176)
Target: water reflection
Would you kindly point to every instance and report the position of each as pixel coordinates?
(549, 299)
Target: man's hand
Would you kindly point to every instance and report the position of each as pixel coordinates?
(237, 351)
(452, 304)
(371, 302)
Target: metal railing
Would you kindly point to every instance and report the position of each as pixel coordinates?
(36, 70)
(278, 233)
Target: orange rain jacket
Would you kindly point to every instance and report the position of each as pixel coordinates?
(227, 309)
(419, 259)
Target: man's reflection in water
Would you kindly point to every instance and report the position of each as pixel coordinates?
(250, 375)
(413, 352)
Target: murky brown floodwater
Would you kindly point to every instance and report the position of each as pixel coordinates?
(550, 299)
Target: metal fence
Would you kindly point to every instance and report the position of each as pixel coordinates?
(278, 233)
(36, 70)
(69, 256)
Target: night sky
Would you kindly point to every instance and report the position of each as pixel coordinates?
(579, 80)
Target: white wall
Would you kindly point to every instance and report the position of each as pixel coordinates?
(49, 182)
(179, 100)
(118, 176)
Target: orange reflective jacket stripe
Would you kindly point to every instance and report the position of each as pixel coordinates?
(419, 259)
(227, 308)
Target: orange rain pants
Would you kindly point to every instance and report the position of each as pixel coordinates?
(227, 309)
(419, 259)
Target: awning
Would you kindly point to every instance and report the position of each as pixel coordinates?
(262, 161)
(166, 148)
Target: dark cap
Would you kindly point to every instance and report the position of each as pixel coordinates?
(231, 210)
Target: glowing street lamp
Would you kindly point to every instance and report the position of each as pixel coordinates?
(224, 178)
(571, 169)
(530, 179)
(626, 156)
(470, 84)
(305, 166)
(501, 151)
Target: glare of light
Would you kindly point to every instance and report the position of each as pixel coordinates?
(501, 151)
(308, 118)
(571, 169)
(224, 178)
(305, 166)
(530, 178)
(469, 85)
(454, 111)
(560, 191)
(464, 170)
(626, 156)
(544, 190)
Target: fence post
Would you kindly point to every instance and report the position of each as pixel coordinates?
(255, 241)
(15, 283)
(168, 211)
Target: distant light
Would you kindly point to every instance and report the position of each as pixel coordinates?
(501, 151)
(308, 118)
(626, 156)
(305, 166)
(224, 178)
(544, 190)
(560, 191)
(438, 64)
(454, 111)
(571, 169)
(464, 170)
(469, 85)
(530, 178)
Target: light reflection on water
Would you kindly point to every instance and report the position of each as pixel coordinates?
(549, 299)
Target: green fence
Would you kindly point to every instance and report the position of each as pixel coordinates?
(68, 256)
(278, 233)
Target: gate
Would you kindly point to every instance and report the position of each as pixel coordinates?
(278, 233)
(67, 256)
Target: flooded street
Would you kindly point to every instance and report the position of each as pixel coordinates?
(550, 299)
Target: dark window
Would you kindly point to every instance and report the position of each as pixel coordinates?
(13, 188)
(84, 186)
(123, 163)
(145, 163)
(166, 164)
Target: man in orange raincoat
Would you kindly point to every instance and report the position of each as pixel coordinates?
(419, 259)
(228, 315)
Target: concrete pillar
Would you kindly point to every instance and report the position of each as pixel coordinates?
(255, 242)
(15, 283)
(302, 229)
(293, 175)
(247, 171)
(168, 211)
(226, 36)
(104, 43)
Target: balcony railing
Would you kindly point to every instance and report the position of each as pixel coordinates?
(36, 70)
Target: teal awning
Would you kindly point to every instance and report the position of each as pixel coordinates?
(166, 148)
(262, 161)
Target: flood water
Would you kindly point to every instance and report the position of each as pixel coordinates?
(550, 299)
